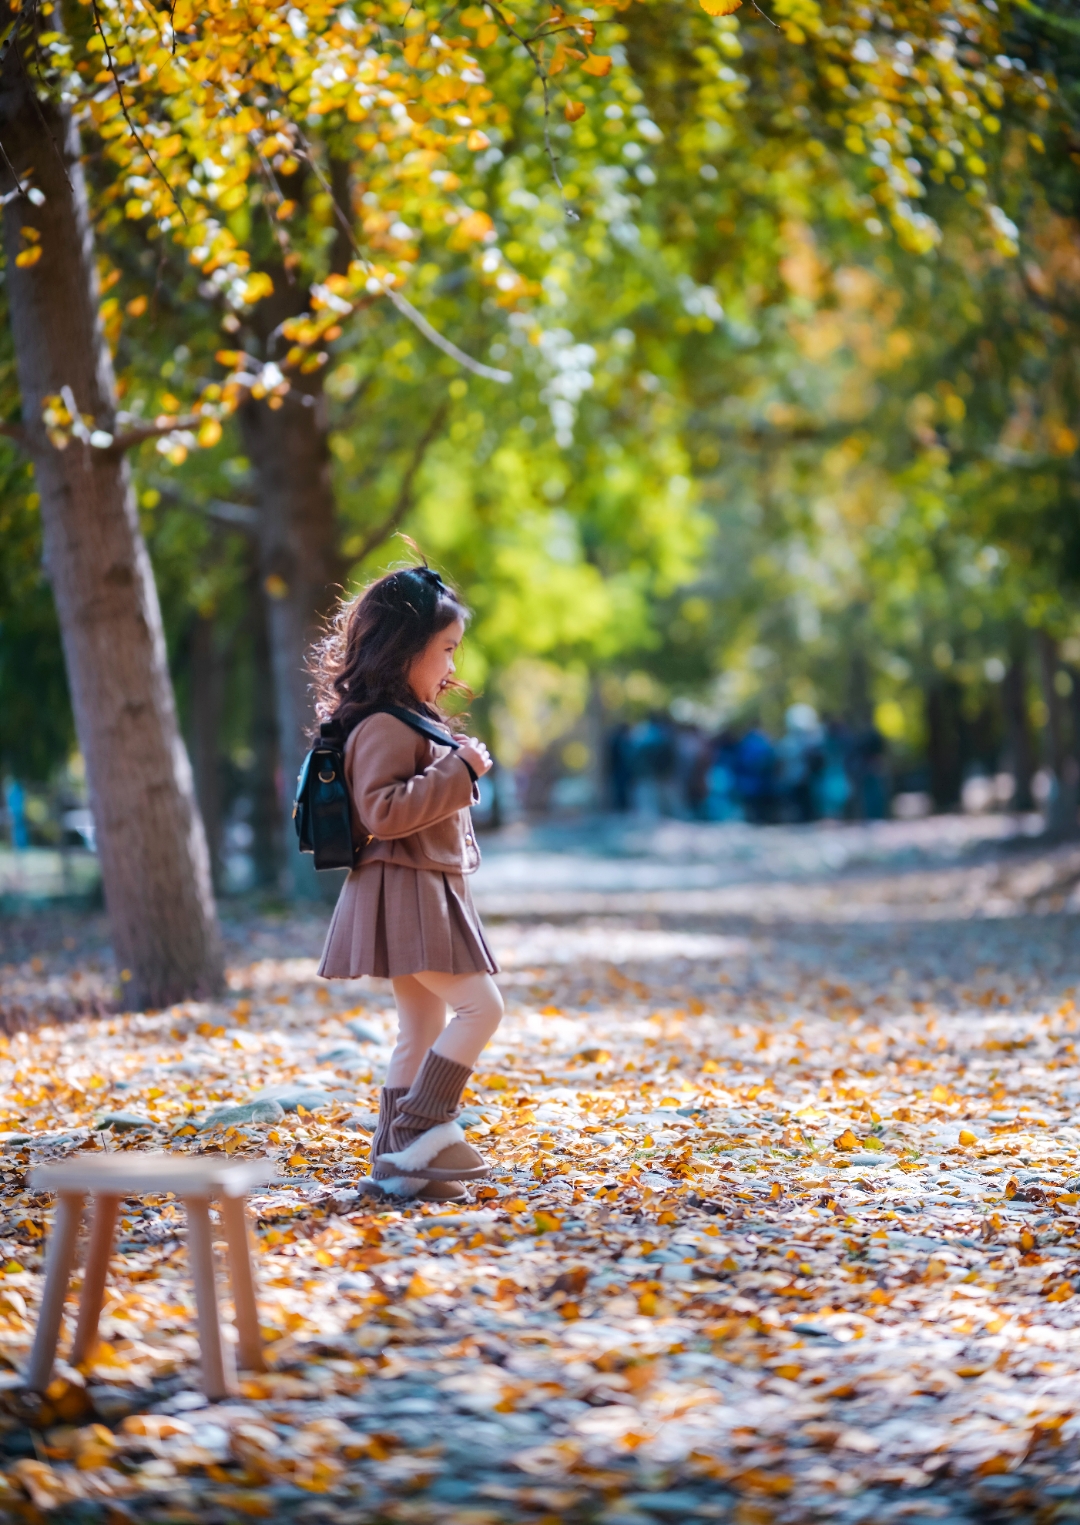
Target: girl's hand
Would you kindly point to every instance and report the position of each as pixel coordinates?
(474, 752)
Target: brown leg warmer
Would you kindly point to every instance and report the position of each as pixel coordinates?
(431, 1191)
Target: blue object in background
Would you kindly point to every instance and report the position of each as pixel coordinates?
(15, 799)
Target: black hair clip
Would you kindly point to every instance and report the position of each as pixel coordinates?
(430, 576)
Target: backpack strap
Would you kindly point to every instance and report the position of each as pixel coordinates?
(419, 723)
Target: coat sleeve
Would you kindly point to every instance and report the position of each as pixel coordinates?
(391, 797)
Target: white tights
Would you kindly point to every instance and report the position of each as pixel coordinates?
(422, 1000)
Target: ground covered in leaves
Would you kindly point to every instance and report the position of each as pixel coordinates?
(783, 1226)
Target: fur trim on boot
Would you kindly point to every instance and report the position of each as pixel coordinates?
(445, 1189)
(440, 1154)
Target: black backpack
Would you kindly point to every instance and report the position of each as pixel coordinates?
(321, 811)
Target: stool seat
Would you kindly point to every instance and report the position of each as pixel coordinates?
(138, 1174)
(195, 1179)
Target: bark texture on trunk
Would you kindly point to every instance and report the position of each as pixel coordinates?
(150, 837)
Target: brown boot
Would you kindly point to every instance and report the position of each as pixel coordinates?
(425, 1142)
(432, 1191)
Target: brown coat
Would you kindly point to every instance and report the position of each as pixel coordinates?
(412, 796)
(407, 907)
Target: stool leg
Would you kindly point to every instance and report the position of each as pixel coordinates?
(102, 1229)
(201, 1257)
(58, 1273)
(241, 1272)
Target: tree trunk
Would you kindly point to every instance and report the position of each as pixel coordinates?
(1018, 725)
(267, 785)
(207, 704)
(1062, 804)
(943, 744)
(150, 838)
(287, 441)
(299, 564)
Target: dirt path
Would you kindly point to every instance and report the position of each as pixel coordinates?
(782, 1224)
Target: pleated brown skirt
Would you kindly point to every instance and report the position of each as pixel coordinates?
(391, 920)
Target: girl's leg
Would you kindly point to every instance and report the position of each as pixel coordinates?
(478, 1010)
(425, 1142)
(421, 1018)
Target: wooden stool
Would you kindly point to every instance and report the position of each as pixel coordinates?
(110, 1178)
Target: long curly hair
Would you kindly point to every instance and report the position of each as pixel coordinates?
(372, 640)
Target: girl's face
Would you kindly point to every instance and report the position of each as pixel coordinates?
(432, 670)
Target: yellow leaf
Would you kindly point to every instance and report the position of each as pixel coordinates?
(477, 140)
(137, 306)
(1061, 1293)
(257, 286)
(597, 64)
(487, 35)
(719, 7)
(967, 1137)
(561, 57)
(546, 1223)
(847, 1140)
(209, 432)
(296, 1160)
(775, 1190)
(939, 1093)
(28, 257)
(418, 1287)
(572, 111)
(494, 1082)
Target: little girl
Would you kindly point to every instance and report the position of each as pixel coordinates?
(405, 913)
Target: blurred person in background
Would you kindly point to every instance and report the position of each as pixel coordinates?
(15, 800)
(755, 775)
(799, 760)
(833, 782)
(869, 768)
(691, 761)
(722, 802)
(652, 743)
(621, 767)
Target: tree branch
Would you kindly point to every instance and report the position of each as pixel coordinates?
(127, 115)
(545, 85)
(375, 537)
(403, 305)
(1047, 18)
(140, 432)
